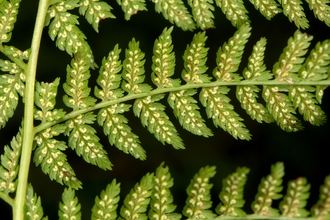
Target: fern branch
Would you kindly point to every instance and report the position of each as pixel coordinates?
(295, 12)
(131, 7)
(33, 208)
(235, 11)
(268, 8)
(321, 10)
(202, 13)
(69, 207)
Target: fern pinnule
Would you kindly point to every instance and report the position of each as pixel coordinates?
(136, 202)
(235, 11)
(8, 14)
(268, 8)
(295, 12)
(33, 209)
(294, 202)
(231, 194)
(322, 208)
(161, 204)
(131, 7)
(199, 201)
(202, 13)
(321, 10)
(268, 190)
(175, 12)
(70, 206)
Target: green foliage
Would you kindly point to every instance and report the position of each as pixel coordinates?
(33, 209)
(69, 208)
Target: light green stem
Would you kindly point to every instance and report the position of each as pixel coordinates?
(28, 126)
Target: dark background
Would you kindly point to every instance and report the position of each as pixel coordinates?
(304, 153)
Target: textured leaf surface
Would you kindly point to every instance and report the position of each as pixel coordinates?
(202, 13)
(8, 14)
(295, 12)
(69, 207)
(268, 8)
(235, 11)
(33, 209)
(131, 7)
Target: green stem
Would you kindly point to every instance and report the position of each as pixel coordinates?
(28, 133)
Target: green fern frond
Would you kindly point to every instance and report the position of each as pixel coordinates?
(199, 198)
(322, 208)
(16, 53)
(33, 209)
(8, 14)
(268, 8)
(295, 12)
(105, 207)
(235, 11)
(69, 207)
(321, 10)
(294, 202)
(175, 12)
(131, 7)
(268, 190)
(94, 11)
(231, 194)
(202, 13)
(137, 201)
(161, 204)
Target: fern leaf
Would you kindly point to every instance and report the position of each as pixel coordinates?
(136, 202)
(202, 13)
(322, 208)
(11, 85)
(33, 209)
(231, 194)
(94, 11)
(69, 207)
(256, 70)
(131, 7)
(295, 12)
(14, 52)
(152, 115)
(105, 207)
(321, 10)
(268, 190)
(294, 202)
(10, 164)
(268, 8)
(199, 198)
(175, 12)
(163, 61)
(161, 205)
(235, 11)
(8, 14)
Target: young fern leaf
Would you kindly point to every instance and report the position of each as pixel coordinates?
(214, 98)
(322, 208)
(268, 190)
(111, 118)
(161, 205)
(11, 85)
(231, 194)
(33, 209)
(94, 11)
(82, 137)
(137, 201)
(8, 14)
(321, 10)
(182, 102)
(268, 8)
(295, 12)
(131, 7)
(175, 12)
(256, 70)
(202, 13)
(105, 207)
(10, 164)
(235, 11)
(69, 207)
(199, 198)
(294, 202)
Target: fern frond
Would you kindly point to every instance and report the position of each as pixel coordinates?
(268, 8)
(94, 11)
(33, 209)
(295, 12)
(131, 7)
(10, 164)
(175, 12)
(294, 202)
(11, 85)
(199, 198)
(105, 207)
(256, 70)
(161, 205)
(137, 201)
(202, 13)
(16, 53)
(321, 10)
(235, 11)
(322, 208)
(268, 190)
(69, 207)
(231, 194)
(8, 14)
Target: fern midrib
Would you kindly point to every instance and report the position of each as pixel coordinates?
(129, 97)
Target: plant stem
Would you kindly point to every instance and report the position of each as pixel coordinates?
(28, 133)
